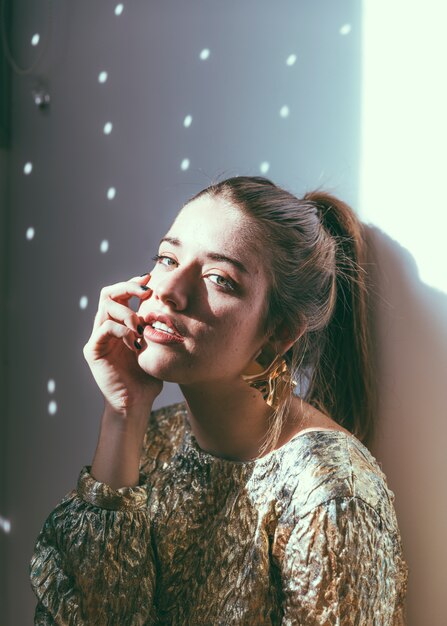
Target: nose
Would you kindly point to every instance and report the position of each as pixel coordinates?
(170, 288)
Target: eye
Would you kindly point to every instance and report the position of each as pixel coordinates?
(225, 283)
(158, 259)
(228, 284)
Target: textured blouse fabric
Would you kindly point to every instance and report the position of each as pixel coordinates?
(306, 535)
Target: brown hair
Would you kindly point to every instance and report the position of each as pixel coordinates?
(316, 252)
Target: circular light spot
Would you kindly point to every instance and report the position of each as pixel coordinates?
(5, 524)
(185, 164)
(187, 121)
(284, 112)
(51, 386)
(28, 168)
(104, 245)
(108, 128)
(111, 193)
(102, 77)
(119, 9)
(264, 167)
(204, 54)
(291, 59)
(35, 39)
(52, 407)
(30, 233)
(83, 302)
(345, 29)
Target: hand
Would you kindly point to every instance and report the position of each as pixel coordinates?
(111, 353)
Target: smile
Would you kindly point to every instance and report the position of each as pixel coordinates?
(160, 333)
(163, 327)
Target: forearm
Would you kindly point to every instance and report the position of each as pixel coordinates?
(117, 457)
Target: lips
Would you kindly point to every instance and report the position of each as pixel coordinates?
(158, 317)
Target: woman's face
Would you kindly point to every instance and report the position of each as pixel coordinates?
(216, 305)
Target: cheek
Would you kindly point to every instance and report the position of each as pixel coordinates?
(234, 331)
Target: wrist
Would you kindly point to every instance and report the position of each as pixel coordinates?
(128, 420)
(117, 458)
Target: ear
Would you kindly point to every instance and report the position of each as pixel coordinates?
(282, 339)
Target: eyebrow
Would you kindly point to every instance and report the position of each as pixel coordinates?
(211, 255)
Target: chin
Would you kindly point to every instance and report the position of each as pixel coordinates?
(159, 367)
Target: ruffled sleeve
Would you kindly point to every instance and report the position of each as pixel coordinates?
(341, 564)
(93, 561)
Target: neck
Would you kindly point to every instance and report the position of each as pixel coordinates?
(228, 420)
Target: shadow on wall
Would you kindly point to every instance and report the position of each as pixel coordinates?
(410, 328)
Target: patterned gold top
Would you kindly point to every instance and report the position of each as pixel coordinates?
(306, 535)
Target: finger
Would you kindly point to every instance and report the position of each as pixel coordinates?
(126, 287)
(124, 291)
(123, 314)
(121, 292)
(144, 278)
(99, 342)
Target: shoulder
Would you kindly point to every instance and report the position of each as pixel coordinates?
(331, 465)
(164, 434)
(338, 545)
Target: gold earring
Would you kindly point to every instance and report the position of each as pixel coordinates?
(270, 381)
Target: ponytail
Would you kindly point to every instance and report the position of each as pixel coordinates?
(342, 384)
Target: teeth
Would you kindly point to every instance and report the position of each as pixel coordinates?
(162, 326)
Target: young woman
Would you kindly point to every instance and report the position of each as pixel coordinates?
(254, 501)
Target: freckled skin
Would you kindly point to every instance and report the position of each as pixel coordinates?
(221, 326)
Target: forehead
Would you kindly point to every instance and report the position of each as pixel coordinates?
(215, 225)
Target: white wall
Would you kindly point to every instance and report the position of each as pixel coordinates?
(402, 178)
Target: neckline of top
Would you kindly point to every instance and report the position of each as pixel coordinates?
(192, 443)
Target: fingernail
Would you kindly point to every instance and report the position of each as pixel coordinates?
(144, 274)
(140, 329)
(136, 344)
(144, 287)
